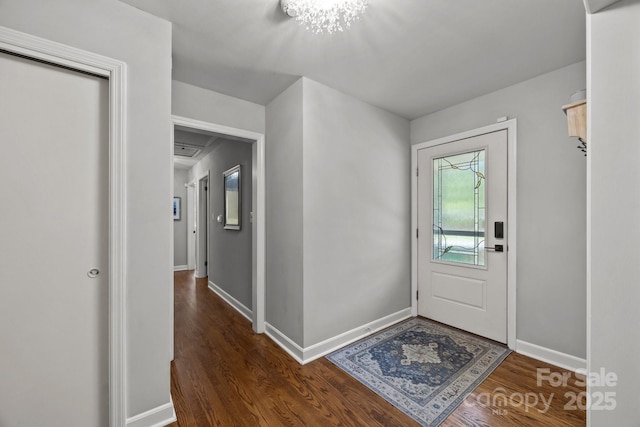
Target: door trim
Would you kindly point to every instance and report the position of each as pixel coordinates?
(116, 71)
(202, 223)
(191, 215)
(511, 127)
(259, 208)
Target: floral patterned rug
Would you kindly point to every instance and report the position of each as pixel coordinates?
(424, 368)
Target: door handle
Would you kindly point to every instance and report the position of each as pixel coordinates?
(496, 248)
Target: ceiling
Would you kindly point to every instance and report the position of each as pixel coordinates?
(196, 144)
(410, 57)
(190, 146)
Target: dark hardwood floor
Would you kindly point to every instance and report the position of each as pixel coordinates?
(226, 375)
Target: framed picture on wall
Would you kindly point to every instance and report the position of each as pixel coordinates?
(176, 208)
(232, 200)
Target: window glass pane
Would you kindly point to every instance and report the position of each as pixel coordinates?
(458, 208)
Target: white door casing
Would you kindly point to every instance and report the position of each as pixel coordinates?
(461, 283)
(465, 296)
(258, 235)
(116, 71)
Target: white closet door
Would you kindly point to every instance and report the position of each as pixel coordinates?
(53, 251)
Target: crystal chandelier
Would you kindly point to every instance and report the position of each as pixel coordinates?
(324, 16)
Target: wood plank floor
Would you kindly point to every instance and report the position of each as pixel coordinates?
(226, 375)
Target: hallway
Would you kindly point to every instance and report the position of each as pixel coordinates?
(226, 375)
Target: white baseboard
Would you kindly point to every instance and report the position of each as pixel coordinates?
(241, 308)
(562, 360)
(285, 343)
(180, 268)
(327, 346)
(316, 351)
(157, 417)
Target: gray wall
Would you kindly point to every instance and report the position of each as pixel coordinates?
(357, 223)
(229, 263)
(551, 227)
(614, 151)
(338, 239)
(284, 220)
(121, 32)
(201, 104)
(180, 178)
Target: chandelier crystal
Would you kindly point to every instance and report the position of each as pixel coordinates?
(324, 16)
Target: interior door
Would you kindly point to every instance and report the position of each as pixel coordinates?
(54, 251)
(462, 225)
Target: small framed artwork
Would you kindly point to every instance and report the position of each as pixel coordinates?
(232, 199)
(176, 208)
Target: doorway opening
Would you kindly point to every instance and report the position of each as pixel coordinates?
(202, 227)
(191, 228)
(200, 213)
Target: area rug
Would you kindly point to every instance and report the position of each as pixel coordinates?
(423, 368)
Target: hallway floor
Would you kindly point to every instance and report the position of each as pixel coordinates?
(226, 375)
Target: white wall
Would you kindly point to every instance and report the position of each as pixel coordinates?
(614, 206)
(202, 104)
(551, 193)
(356, 163)
(121, 32)
(180, 178)
(338, 220)
(284, 228)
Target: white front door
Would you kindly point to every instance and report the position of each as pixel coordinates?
(53, 246)
(462, 226)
